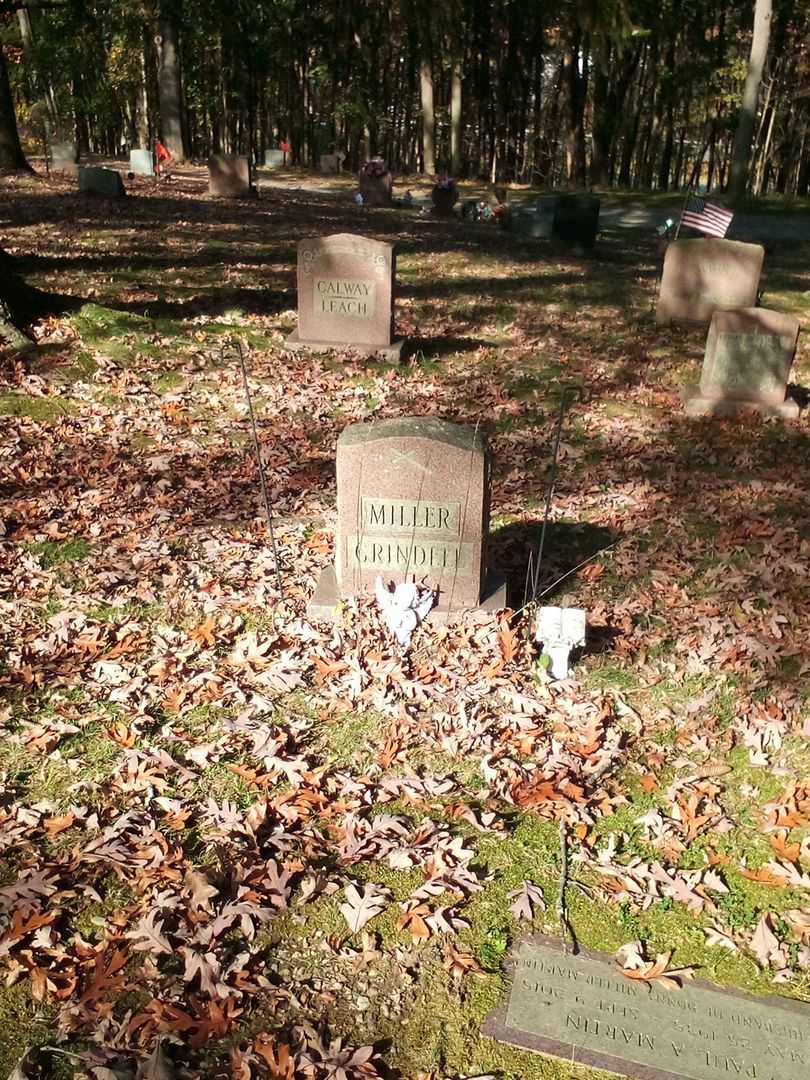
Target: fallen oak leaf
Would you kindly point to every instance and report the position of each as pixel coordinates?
(633, 965)
(157, 1066)
(526, 898)
(764, 944)
(361, 908)
(719, 939)
(413, 920)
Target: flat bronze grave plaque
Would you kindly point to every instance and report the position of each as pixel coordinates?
(582, 1009)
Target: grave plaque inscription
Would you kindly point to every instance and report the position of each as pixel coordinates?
(582, 1009)
(413, 503)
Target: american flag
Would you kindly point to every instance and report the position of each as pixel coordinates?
(706, 217)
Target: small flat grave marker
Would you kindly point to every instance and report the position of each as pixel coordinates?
(749, 353)
(97, 181)
(228, 176)
(701, 276)
(141, 163)
(582, 1009)
(413, 504)
(346, 296)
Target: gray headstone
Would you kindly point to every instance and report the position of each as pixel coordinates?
(97, 181)
(413, 503)
(701, 276)
(583, 1010)
(571, 220)
(345, 296)
(749, 353)
(274, 159)
(141, 162)
(63, 157)
(228, 176)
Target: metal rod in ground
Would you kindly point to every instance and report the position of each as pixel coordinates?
(265, 494)
(568, 396)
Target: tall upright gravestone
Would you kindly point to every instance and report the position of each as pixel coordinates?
(701, 276)
(63, 157)
(413, 504)
(346, 296)
(141, 162)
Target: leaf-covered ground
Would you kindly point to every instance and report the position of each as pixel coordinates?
(278, 849)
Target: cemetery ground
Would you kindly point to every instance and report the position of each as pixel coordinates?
(267, 844)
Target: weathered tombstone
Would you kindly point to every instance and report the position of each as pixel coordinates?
(413, 502)
(228, 176)
(749, 353)
(98, 181)
(141, 162)
(346, 296)
(376, 183)
(576, 221)
(581, 1009)
(444, 197)
(703, 275)
(274, 159)
(332, 163)
(63, 157)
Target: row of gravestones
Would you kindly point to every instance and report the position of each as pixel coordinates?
(228, 175)
(749, 350)
(394, 510)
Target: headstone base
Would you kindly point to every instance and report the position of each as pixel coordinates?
(697, 404)
(324, 605)
(391, 354)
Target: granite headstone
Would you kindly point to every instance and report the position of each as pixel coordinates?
(274, 159)
(228, 176)
(98, 181)
(377, 190)
(749, 353)
(346, 296)
(582, 1010)
(141, 162)
(63, 157)
(413, 504)
(701, 276)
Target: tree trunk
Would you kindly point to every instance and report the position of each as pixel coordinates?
(428, 117)
(748, 110)
(577, 87)
(170, 91)
(12, 158)
(455, 118)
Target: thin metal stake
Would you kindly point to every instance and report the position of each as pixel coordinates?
(265, 495)
(568, 396)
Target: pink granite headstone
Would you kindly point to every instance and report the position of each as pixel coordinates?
(413, 505)
(346, 296)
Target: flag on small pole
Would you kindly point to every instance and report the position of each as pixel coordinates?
(706, 217)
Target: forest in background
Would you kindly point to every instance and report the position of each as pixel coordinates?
(612, 93)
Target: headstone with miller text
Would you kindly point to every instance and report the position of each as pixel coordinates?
(701, 276)
(346, 296)
(749, 353)
(581, 1009)
(413, 504)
